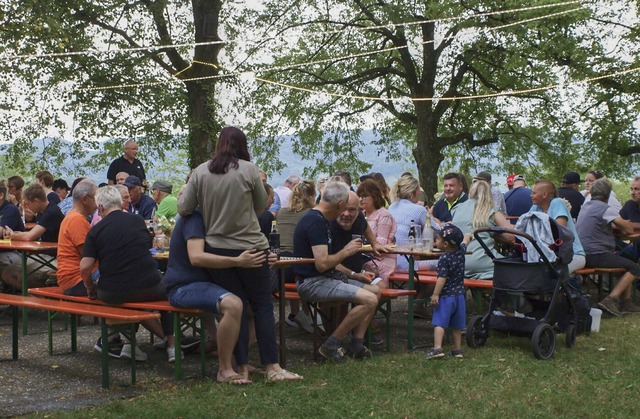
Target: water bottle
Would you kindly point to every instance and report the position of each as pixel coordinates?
(427, 235)
(274, 239)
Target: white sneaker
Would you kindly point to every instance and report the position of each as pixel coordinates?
(171, 354)
(304, 322)
(126, 353)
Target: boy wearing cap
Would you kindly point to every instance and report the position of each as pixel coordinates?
(167, 203)
(448, 296)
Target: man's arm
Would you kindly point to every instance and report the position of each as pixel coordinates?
(31, 235)
(86, 266)
(324, 261)
(623, 226)
(373, 241)
(198, 257)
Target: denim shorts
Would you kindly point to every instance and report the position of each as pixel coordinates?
(450, 312)
(203, 295)
(324, 289)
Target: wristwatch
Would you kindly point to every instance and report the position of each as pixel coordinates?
(352, 274)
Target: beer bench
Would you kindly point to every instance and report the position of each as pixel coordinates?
(184, 318)
(112, 316)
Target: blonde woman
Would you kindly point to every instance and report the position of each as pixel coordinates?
(479, 211)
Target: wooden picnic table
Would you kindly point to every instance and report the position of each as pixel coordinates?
(35, 251)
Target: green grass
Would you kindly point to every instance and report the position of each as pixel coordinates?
(596, 378)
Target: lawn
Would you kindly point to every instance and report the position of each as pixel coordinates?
(596, 378)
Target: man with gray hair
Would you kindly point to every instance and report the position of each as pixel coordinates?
(320, 282)
(283, 192)
(73, 232)
(595, 225)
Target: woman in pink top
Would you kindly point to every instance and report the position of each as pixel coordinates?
(383, 225)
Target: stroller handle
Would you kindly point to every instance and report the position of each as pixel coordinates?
(498, 230)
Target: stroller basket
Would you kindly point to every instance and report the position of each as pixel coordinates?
(519, 276)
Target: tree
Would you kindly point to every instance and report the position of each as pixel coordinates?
(456, 82)
(118, 74)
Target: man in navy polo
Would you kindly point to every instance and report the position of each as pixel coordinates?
(518, 199)
(141, 203)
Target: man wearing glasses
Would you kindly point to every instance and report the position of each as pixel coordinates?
(127, 163)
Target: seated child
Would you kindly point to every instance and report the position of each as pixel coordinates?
(448, 296)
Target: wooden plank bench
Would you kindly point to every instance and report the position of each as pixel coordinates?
(108, 316)
(183, 318)
(384, 307)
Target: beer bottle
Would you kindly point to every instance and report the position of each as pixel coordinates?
(274, 239)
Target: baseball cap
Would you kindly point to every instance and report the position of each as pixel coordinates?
(510, 178)
(132, 181)
(486, 176)
(451, 234)
(517, 177)
(571, 178)
(162, 186)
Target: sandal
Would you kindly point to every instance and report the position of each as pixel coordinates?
(235, 380)
(283, 375)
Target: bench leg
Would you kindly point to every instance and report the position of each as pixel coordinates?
(177, 335)
(14, 332)
(105, 353)
(74, 333)
(133, 353)
(50, 315)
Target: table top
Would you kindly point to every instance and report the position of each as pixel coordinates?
(29, 246)
(417, 253)
(288, 261)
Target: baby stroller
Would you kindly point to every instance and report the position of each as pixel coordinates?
(529, 299)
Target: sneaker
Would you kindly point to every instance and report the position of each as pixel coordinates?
(627, 306)
(290, 321)
(190, 344)
(171, 354)
(457, 353)
(160, 344)
(126, 353)
(377, 339)
(336, 355)
(362, 353)
(115, 347)
(434, 353)
(611, 305)
(304, 322)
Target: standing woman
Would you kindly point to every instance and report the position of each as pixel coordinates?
(229, 191)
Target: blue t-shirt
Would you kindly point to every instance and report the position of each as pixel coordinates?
(10, 216)
(518, 201)
(451, 266)
(312, 230)
(51, 219)
(630, 211)
(557, 208)
(342, 237)
(180, 271)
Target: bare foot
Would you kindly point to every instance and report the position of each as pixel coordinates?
(234, 379)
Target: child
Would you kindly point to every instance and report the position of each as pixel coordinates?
(448, 295)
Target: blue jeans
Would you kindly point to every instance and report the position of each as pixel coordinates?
(203, 295)
(252, 286)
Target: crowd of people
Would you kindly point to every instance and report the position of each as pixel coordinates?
(220, 259)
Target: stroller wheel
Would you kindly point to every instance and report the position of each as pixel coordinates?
(543, 341)
(477, 334)
(570, 335)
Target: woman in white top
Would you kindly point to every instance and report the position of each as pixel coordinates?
(591, 177)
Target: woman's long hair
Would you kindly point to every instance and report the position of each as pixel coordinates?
(481, 192)
(231, 147)
(303, 196)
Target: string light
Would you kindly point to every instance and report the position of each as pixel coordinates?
(7, 57)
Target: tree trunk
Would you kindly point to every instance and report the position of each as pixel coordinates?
(428, 151)
(204, 125)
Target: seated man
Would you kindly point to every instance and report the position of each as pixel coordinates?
(596, 224)
(73, 232)
(188, 285)
(46, 229)
(570, 190)
(452, 195)
(9, 218)
(631, 212)
(141, 203)
(128, 272)
(544, 200)
(167, 203)
(518, 198)
(121, 177)
(320, 282)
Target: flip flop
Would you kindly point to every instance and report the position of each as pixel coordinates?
(283, 375)
(257, 371)
(233, 380)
